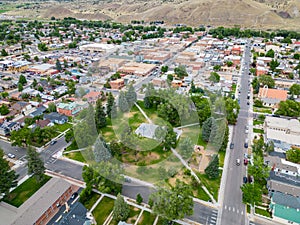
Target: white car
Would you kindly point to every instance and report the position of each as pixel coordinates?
(10, 155)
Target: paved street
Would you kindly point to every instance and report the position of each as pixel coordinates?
(233, 211)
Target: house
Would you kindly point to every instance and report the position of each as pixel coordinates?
(159, 82)
(92, 97)
(281, 165)
(283, 132)
(271, 97)
(71, 109)
(40, 207)
(38, 111)
(42, 123)
(285, 207)
(117, 84)
(7, 127)
(55, 117)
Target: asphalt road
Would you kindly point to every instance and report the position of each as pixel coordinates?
(233, 211)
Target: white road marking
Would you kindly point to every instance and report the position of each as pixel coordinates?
(225, 207)
(242, 213)
(229, 208)
(233, 209)
(238, 211)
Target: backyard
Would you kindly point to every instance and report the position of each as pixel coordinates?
(103, 209)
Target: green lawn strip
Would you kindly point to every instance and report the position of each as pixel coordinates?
(201, 194)
(161, 221)
(63, 127)
(89, 204)
(259, 131)
(103, 209)
(76, 156)
(221, 158)
(147, 218)
(262, 212)
(23, 192)
(258, 122)
(211, 185)
(262, 110)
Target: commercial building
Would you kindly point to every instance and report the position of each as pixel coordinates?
(139, 69)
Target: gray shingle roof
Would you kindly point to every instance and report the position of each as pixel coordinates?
(286, 200)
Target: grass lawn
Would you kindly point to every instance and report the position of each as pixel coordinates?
(89, 204)
(259, 131)
(23, 192)
(161, 221)
(133, 215)
(262, 212)
(103, 209)
(248, 208)
(3, 10)
(201, 194)
(63, 127)
(263, 110)
(221, 158)
(147, 218)
(211, 185)
(72, 146)
(258, 122)
(76, 156)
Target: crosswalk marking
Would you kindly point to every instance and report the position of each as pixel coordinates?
(233, 209)
(225, 206)
(238, 211)
(229, 208)
(242, 212)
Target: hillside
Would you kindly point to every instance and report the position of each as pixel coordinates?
(267, 14)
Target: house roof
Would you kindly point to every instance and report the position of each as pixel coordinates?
(92, 94)
(37, 204)
(286, 200)
(287, 213)
(272, 94)
(55, 116)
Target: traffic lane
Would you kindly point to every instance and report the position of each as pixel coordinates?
(65, 168)
(203, 214)
(131, 191)
(17, 151)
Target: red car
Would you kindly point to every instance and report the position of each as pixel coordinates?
(245, 162)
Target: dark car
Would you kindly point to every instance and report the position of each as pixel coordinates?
(245, 180)
(231, 145)
(74, 195)
(245, 162)
(52, 142)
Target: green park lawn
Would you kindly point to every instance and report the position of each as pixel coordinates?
(221, 158)
(103, 209)
(62, 127)
(76, 156)
(23, 192)
(94, 197)
(147, 218)
(201, 194)
(212, 185)
(133, 215)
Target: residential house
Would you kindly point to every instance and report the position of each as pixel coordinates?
(55, 117)
(7, 127)
(283, 132)
(71, 109)
(92, 97)
(271, 97)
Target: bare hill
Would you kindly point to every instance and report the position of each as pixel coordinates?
(266, 14)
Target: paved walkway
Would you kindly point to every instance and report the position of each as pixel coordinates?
(144, 114)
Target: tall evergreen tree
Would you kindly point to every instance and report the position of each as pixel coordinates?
(58, 65)
(114, 111)
(131, 96)
(122, 102)
(35, 164)
(101, 151)
(100, 118)
(186, 148)
(110, 104)
(8, 177)
(207, 128)
(121, 209)
(212, 170)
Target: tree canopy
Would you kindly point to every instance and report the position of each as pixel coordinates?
(121, 209)
(35, 164)
(212, 170)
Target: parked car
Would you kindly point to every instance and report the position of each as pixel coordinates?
(52, 142)
(238, 162)
(10, 155)
(245, 180)
(231, 145)
(74, 195)
(245, 162)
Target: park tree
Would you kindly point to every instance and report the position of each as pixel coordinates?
(20, 137)
(121, 209)
(164, 69)
(186, 148)
(101, 151)
(295, 89)
(35, 164)
(160, 133)
(122, 102)
(214, 77)
(252, 193)
(58, 65)
(168, 112)
(170, 139)
(173, 204)
(180, 71)
(8, 177)
(100, 117)
(266, 80)
(22, 80)
(131, 96)
(208, 129)
(110, 104)
(139, 199)
(212, 170)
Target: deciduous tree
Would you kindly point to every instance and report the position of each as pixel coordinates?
(35, 164)
(121, 209)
